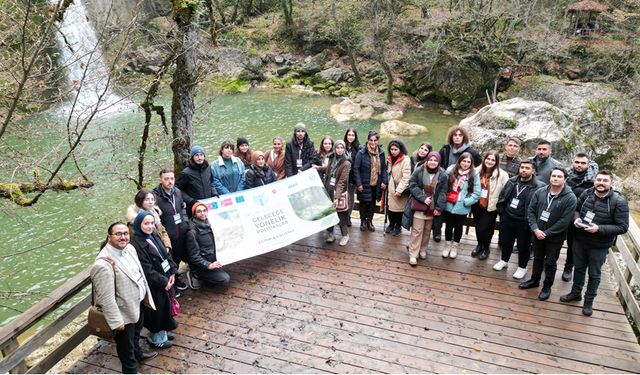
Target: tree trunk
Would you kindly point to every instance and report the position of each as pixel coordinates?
(346, 46)
(212, 25)
(223, 19)
(387, 72)
(183, 86)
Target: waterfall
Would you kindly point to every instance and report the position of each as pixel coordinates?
(82, 55)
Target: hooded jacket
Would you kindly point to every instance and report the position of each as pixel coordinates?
(524, 198)
(196, 182)
(293, 151)
(256, 176)
(560, 212)
(169, 206)
(611, 216)
(201, 245)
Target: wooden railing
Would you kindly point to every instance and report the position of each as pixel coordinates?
(15, 352)
(628, 270)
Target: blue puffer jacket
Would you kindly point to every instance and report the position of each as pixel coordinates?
(362, 174)
(221, 178)
(465, 200)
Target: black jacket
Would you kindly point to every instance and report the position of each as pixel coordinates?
(196, 182)
(293, 152)
(611, 216)
(416, 188)
(166, 204)
(151, 262)
(509, 192)
(255, 177)
(362, 174)
(446, 150)
(561, 212)
(201, 245)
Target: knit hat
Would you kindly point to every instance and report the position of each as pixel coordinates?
(196, 150)
(137, 222)
(195, 207)
(242, 141)
(300, 126)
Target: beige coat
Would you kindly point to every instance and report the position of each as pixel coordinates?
(133, 211)
(400, 172)
(120, 301)
(496, 185)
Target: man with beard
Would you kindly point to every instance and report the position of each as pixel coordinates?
(579, 178)
(602, 214)
(512, 205)
(549, 215)
(299, 153)
(544, 162)
(509, 159)
(196, 181)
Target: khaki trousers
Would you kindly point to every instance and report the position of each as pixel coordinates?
(420, 232)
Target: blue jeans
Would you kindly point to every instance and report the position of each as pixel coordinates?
(591, 258)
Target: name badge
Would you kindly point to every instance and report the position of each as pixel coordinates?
(177, 218)
(484, 193)
(299, 163)
(588, 217)
(332, 181)
(514, 203)
(545, 216)
(165, 265)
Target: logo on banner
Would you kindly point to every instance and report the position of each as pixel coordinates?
(214, 205)
(227, 202)
(240, 199)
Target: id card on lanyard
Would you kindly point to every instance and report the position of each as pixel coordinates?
(515, 201)
(546, 213)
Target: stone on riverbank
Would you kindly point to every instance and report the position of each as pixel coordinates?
(392, 128)
(347, 110)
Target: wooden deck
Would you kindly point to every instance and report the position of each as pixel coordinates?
(313, 307)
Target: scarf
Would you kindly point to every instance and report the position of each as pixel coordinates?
(374, 170)
(485, 184)
(276, 162)
(461, 180)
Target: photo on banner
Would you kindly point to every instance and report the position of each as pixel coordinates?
(255, 221)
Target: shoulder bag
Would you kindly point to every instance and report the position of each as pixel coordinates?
(96, 320)
(343, 202)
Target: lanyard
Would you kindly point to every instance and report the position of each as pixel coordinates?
(550, 199)
(154, 246)
(519, 191)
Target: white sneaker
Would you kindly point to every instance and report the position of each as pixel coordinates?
(344, 240)
(447, 249)
(413, 261)
(423, 254)
(500, 265)
(330, 238)
(454, 250)
(519, 274)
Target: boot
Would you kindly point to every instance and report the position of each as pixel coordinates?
(454, 250)
(484, 253)
(447, 249)
(370, 226)
(572, 296)
(363, 224)
(476, 250)
(389, 228)
(587, 308)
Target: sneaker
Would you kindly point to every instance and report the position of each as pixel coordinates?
(454, 250)
(520, 273)
(330, 238)
(179, 284)
(193, 282)
(423, 254)
(163, 345)
(396, 231)
(500, 265)
(413, 261)
(566, 275)
(344, 240)
(388, 229)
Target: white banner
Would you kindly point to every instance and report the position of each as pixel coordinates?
(266, 218)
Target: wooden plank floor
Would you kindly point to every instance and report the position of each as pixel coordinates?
(314, 307)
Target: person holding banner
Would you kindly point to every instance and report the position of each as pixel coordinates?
(201, 250)
(370, 174)
(258, 173)
(336, 181)
(299, 153)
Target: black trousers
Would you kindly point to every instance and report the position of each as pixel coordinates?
(571, 233)
(453, 228)
(545, 256)
(367, 208)
(437, 225)
(510, 230)
(485, 224)
(395, 219)
(128, 344)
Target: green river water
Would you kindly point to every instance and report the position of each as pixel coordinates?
(44, 245)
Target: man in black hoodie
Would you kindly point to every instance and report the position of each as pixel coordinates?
(299, 153)
(196, 181)
(601, 214)
(549, 215)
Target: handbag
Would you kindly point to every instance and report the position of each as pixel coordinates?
(175, 305)
(452, 196)
(96, 320)
(416, 205)
(343, 202)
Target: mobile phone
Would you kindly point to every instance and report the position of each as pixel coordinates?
(584, 225)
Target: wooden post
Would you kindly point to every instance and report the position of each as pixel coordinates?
(10, 347)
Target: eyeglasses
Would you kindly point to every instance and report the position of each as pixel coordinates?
(120, 234)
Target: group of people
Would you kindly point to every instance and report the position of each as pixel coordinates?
(538, 202)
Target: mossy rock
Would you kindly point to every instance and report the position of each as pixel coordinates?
(228, 85)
